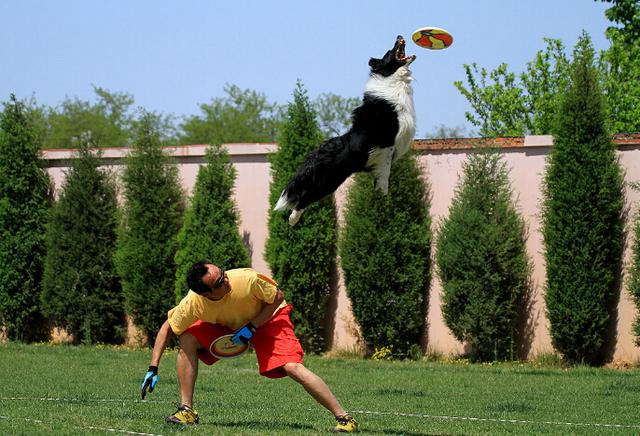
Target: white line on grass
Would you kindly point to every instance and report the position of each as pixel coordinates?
(511, 421)
(77, 400)
(366, 412)
(74, 400)
(110, 430)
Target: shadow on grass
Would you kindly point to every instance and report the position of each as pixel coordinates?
(261, 425)
(402, 392)
(403, 432)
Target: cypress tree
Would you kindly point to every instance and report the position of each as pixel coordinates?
(302, 258)
(385, 250)
(582, 210)
(482, 260)
(634, 275)
(210, 229)
(147, 242)
(81, 289)
(25, 199)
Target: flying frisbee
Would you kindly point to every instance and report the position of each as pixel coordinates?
(432, 38)
(224, 348)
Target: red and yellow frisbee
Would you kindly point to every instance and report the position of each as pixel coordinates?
(433, 38)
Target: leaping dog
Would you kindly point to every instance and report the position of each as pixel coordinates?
(382, 130)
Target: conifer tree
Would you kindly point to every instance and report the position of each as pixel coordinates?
(25, 199)
(634, 275)
(81, 289)
(302, 258)
(582, 210)
(481, 260)
(211, 227)
(385, 249)
(147, 242)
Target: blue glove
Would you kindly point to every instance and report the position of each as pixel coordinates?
(243, 335)
(150, 380)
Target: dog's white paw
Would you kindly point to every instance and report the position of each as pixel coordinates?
(295, 217)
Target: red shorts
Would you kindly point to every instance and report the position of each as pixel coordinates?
(275, 342)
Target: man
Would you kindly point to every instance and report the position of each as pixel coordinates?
(250, 304)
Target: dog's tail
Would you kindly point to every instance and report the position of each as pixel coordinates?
(284, 203)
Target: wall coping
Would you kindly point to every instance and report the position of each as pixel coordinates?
(426, 145)
(196, 150)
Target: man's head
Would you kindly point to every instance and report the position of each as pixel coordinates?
(208, 280)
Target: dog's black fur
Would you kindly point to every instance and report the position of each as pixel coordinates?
(382, 130)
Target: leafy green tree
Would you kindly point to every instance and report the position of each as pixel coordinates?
(152, 217)
(241, 116)
(385, 253)
(582, 224)
(81, 289)
(25, 199)
(37, 115)
(442, 131)
(162, 124)
(108, 121)
(544, 80)
(626, 13)
(621, 70)
(302, 258)
(510, 105)
(620, 65)
(481, 259)
(500, 106)
(506, 106)
(211, 227)
(334, 113)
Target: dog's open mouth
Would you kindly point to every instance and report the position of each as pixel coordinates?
(400, 51)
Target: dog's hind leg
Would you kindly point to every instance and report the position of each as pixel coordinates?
(295, 216)
(382, 170)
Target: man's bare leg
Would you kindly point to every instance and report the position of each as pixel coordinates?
(315, 386)
(187, 367)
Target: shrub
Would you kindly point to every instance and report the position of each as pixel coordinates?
(210, 229)
(302, 258)
(634, 275)
(81, 289)
(25, 199)
(582, 224)
(481, 259)
(147, 242)
(385, 247)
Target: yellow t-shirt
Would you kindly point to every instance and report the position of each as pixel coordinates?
(250, 292)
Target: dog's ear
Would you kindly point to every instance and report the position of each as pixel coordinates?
(374, 63)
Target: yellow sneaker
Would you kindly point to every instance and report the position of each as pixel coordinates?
(184, 415)
(345, 424)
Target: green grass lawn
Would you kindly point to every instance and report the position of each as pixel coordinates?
(96, 390)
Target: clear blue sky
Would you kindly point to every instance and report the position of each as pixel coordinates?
(173, 55)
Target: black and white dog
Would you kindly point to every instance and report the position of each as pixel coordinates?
(382, 131)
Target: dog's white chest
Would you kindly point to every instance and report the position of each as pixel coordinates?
(406, 123)
(396, 89)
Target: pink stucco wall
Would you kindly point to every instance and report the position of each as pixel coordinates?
(442, 162)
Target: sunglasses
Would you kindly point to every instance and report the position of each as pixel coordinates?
(218, 283)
